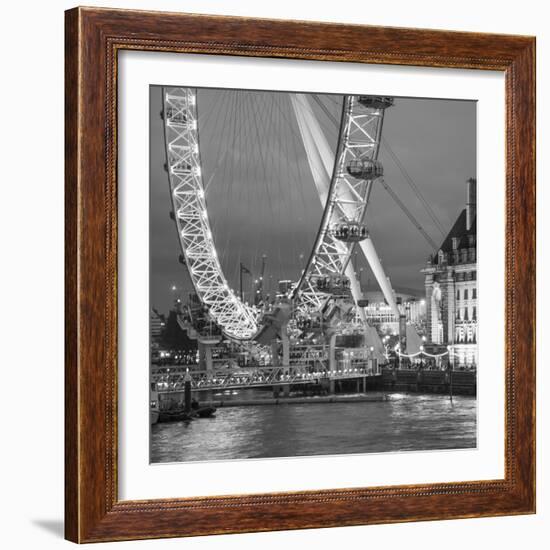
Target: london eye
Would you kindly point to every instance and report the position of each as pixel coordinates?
(343, 177)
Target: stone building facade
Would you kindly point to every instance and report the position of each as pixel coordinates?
(451, 287)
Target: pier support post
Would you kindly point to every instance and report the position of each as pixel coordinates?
(274, 353)
(403, 333)
(332, 353)
(332, 386)
(205, 356)
(286, 344)
(187, 392)
(208, 354)
(286, 390)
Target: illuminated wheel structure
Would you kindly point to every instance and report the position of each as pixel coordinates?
(237, 320)
(355, 170)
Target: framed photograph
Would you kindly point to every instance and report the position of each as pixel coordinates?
(300, 275)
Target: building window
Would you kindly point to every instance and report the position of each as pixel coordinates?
(465, 314)
(474, 293)
(458, 294)
(474, 314)
(466, 294)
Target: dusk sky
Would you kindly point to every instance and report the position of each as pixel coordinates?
(262, 200)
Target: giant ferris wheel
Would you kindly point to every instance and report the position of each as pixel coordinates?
(343, 182)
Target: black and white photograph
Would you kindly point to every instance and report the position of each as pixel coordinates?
(287, 284)
(312, 274)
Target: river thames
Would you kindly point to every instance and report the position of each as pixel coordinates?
(402, 422)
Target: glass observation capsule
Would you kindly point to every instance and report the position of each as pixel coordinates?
(365, 169)
(350, 232)
(375, 102)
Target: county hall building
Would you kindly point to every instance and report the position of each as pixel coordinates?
(451, 288)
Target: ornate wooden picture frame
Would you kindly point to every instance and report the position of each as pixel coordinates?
(94, 38)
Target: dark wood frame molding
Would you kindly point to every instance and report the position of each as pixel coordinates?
(93, 39)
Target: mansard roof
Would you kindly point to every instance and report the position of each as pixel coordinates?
(458, 231)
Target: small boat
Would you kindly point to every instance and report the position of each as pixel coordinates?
(205, 412)
(176, 415)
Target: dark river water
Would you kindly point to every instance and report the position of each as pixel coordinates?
(404, 422)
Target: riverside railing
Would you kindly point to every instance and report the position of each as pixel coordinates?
(173, 379)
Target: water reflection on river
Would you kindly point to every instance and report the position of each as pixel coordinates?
(405, 422)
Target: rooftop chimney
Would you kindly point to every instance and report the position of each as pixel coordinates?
(470, 202)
